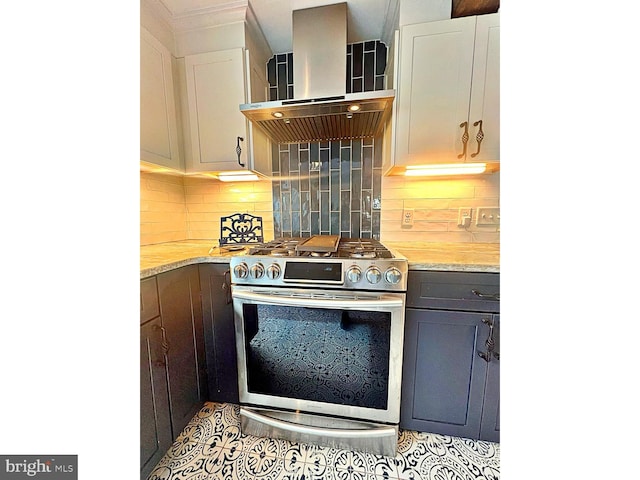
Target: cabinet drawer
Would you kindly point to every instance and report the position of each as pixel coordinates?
(149, 305)
(468, 291)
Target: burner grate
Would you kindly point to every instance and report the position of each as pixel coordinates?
(346, 248)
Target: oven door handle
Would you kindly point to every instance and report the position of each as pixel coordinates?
(385, 301)
(370, 431)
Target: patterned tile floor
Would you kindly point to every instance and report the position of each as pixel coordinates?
(211, 447)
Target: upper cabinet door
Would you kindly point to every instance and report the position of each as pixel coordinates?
(436, 65)
(485, 91)
(258, 86)
(158, 126)
(439, 66)
(216, 86)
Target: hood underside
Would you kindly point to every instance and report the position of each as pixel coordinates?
(323, 119)
(321, 110)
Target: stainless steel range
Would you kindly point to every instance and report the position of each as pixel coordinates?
(319, 329)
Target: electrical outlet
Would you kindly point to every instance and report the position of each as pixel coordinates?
(488, 217)
(464, 217)
(407, 217)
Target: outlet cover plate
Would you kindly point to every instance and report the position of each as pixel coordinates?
(407, 217)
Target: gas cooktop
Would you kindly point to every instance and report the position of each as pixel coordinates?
(322, 261)
(331, 246)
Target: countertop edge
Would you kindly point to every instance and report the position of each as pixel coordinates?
(150, 272)
(415, 266)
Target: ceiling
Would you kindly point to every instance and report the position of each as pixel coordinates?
(365, 21)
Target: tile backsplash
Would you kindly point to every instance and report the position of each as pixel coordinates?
(435, 204)
(328, 188)
(366, 63)
(187, 208)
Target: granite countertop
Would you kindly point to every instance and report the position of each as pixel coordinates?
(465, 257)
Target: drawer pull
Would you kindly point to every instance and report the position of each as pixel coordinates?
(486, 296)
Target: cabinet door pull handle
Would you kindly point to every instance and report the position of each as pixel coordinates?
(489, 343)
(486, 296)
(239, 150)
(479, 137)
(165, 343)
(165, 347)
(226, 286)
(465, 139)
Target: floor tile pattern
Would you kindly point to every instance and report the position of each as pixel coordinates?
(211, 447)
(322, 355)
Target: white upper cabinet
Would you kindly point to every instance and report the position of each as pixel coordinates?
(221, 139)
(158, 121)
(485, 91)
(448, 92)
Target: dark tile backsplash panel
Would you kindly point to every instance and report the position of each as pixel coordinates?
(329, 187)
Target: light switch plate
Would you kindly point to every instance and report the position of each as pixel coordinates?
(488, 217)
(464, 216)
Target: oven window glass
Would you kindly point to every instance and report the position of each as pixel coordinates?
(324, 355)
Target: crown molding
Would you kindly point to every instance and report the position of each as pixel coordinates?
(201, 18)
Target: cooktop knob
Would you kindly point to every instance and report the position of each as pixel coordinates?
(257, 270)
(241, 270)
(393, 275)
(354, 274)
(273, 271)
(373, 275)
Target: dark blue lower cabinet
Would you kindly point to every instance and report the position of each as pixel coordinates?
(219, 333)
(172, 360)
(445, 377)
(181, 312)
(155, 416)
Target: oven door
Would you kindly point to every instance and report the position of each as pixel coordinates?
(336, 353)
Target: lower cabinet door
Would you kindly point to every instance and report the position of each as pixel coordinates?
(155, 422)
(490, 426)
(219, 333)
(181, 311)
(443, 376)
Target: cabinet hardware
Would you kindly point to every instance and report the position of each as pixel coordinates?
(479, 136)
(164, 344)
(486, 296)
(239, 150)
(465, 139)
(226, 286)
(490, 343)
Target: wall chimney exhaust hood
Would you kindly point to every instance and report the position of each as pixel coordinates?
(321, 110)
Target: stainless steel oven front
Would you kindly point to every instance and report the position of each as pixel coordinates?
(320, 365)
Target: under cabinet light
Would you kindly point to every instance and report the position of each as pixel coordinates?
(445, 169)
(238, 177)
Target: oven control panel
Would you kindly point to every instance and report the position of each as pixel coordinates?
(356, 274)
